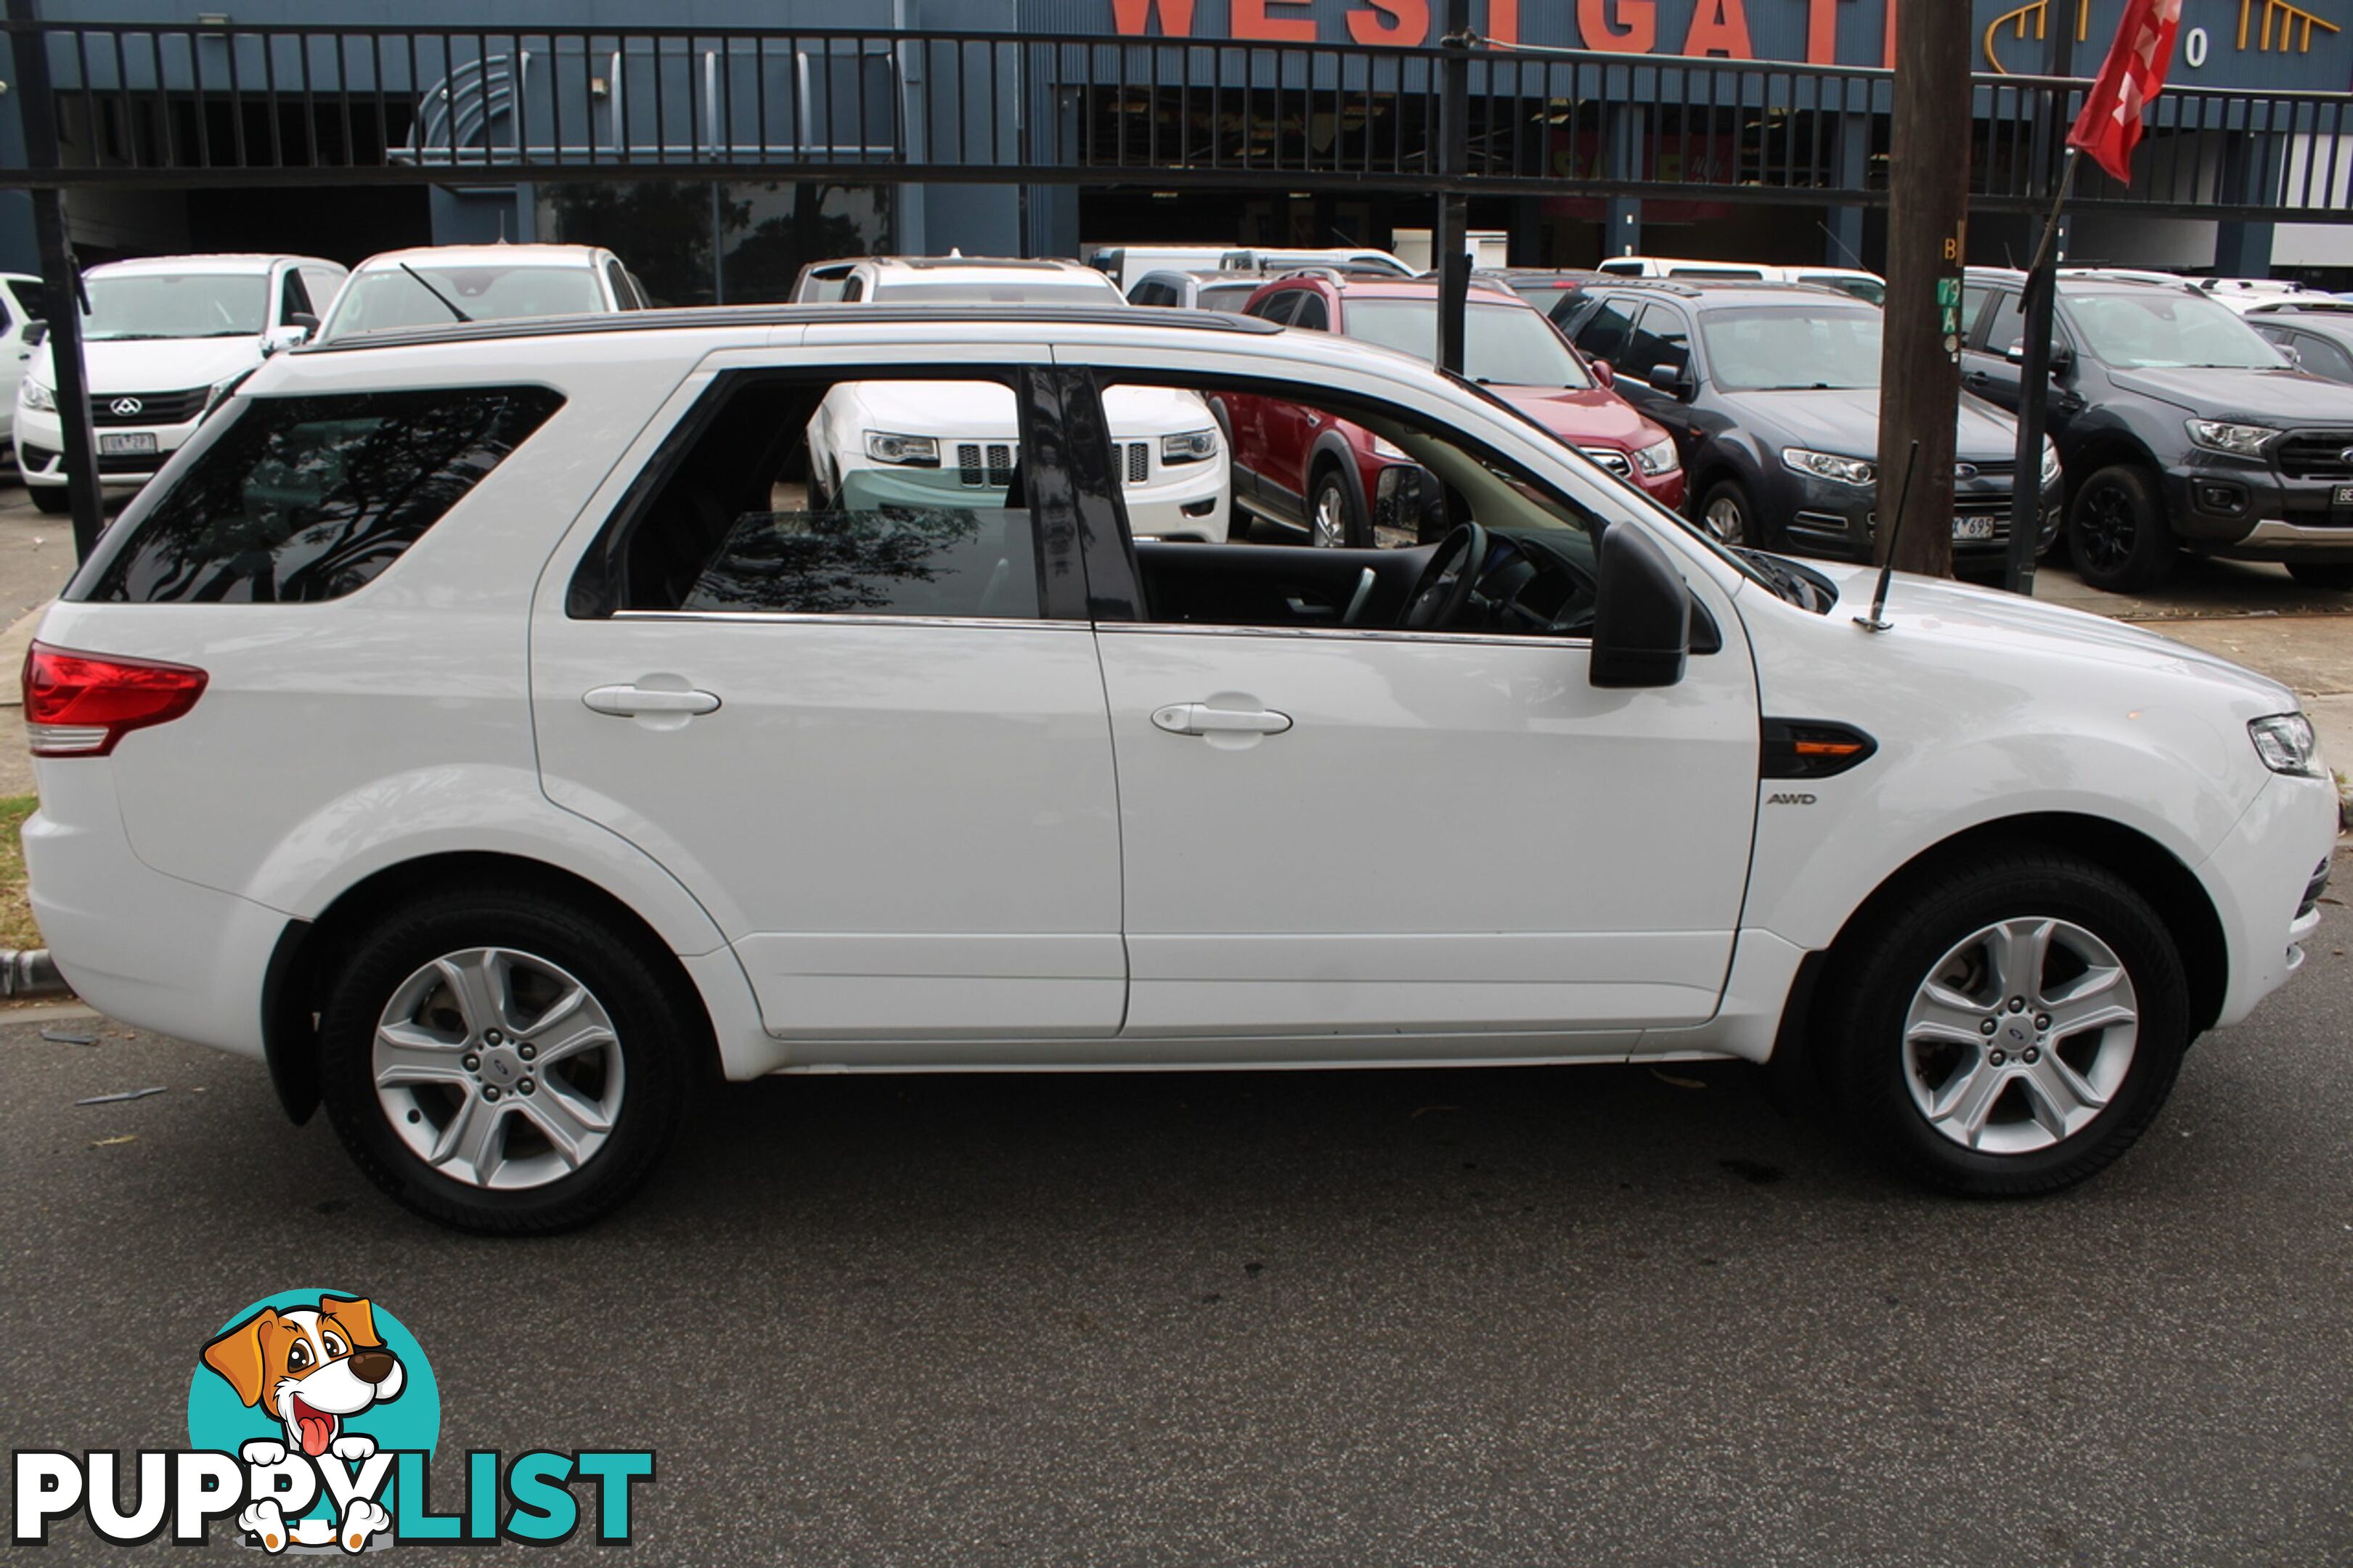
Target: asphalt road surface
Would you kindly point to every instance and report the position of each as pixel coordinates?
(1582, 1316)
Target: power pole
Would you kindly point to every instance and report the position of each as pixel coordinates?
(1448, 235)
(1927, 222)
(60, 279)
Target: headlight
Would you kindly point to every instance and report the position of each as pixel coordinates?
(1658, 459)
(1829, 465)
(37, 397)
(1192, 447)
(2285, 744)
(2239, 440)
(2050, 463)
(1391, 450)
(903, 451)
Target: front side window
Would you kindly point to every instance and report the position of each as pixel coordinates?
(801, 497)
(308, 499)
(2159, 329)
(1658, 351)
(1313, 313)
(295, 300)
(128, 306)
(1785, 349)
(1603, 333)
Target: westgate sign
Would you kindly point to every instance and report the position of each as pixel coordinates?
(1719, 28)
(2285, 45)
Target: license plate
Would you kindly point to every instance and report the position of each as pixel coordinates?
(1972, 528)
(126, 443)
(2342, 496)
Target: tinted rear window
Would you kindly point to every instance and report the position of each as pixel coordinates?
(306, 498)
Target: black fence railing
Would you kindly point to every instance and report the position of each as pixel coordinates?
(152, 104)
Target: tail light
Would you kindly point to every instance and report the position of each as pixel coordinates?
(79, 704)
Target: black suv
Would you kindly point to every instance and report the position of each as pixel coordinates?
(1772, 393)
(2180, 429)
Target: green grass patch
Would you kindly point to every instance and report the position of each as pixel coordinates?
(16, 927)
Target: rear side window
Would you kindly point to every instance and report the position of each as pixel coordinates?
(308, 499)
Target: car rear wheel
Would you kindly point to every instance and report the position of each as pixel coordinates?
(1335, 517)
(50, 500)
(2117, 535)
(2009, 1029)
(2332, 576)
(500, 1063)
(1727, 514)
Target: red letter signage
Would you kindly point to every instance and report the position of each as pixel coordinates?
(1406, 23)
(1624, 27)
(1133, 17)
(1250, 21)
(1720, 27)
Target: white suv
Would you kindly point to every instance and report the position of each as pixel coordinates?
(905, 442)
(481, 727)
(163, 341)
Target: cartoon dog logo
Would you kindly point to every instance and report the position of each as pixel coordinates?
(311, 1370)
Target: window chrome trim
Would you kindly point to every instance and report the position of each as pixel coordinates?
(1344, 634)
(801, 617)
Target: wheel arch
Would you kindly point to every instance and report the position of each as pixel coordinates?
(2181, 902)
(309, 953)
(2106, 448)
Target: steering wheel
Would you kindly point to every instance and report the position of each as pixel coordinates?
(1444, 586)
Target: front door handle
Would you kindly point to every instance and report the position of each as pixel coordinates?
(1201, 719)
(637, 701)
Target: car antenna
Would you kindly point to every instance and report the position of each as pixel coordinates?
(446, 303)
(1875, 621)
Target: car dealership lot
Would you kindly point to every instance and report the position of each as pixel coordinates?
(1537, 1316)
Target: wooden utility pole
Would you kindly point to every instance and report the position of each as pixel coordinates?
(1927, 242)
(1448, 235)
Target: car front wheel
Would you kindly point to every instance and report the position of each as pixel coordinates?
(2009, 1029)
(501, 1063)
(1727, 514)
(2116, 536)
(1333, 520)
(50, 500)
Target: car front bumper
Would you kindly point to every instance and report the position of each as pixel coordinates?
(1833, 518)
(39, 443)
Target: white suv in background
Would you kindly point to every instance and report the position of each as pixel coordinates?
(477, 725)
(164, 339)
(906, 443)
(438, 283)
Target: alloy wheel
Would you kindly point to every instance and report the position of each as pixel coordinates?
(2021, 1034)
(1329, 525)
(1725, 523)
(498, 1068)
(2105, 526)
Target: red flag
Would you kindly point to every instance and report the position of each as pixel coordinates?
(2110, 126)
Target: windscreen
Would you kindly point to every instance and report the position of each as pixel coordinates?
(427, 296)
(128, 306)
(1790, 349)
(1502, 345)
(2160, 328)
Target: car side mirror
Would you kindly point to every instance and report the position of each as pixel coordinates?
(291, 336)
(304, 319)
(1641, 615)
(35, 333)
(1407, 498)
(1678, 382)
(1605, 373)
(2290, 353)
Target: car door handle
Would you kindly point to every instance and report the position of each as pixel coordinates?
(631, 701)
(1201, 719)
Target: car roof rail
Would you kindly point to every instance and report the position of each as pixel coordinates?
(1666, 285)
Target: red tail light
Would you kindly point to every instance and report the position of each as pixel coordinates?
(78, 704)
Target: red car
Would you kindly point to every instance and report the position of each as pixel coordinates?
(1309, 470)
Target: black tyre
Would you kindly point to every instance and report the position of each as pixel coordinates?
(2116, 533)
(501, 1063)
(2009, 1027)
(1335, 511)
(1730, 517)
(50, 500)
(2335, 576)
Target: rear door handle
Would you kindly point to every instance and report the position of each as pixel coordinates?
(1201, 719)
(633, 702)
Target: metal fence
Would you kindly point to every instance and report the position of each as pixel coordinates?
(148, 104)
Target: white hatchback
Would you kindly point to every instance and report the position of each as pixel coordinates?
(487, 729)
